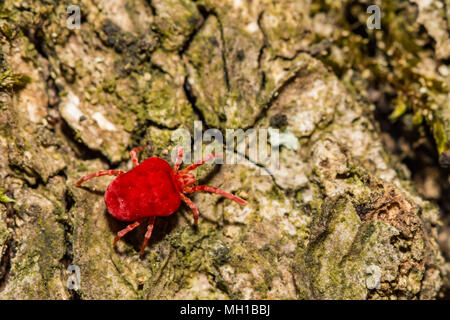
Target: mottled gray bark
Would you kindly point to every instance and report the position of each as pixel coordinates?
(339, 219)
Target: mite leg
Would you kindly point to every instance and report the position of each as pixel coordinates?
(148, 234)
(217, 191)
(196, 165)
(179, 159)
(133, 155)
(99, 174)
(123, 232)
(192, 206)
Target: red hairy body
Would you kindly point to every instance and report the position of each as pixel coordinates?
(148, 190)
(152, 188)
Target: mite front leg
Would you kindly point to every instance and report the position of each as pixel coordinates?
(217, 191)
(202, 162)
(179, 159)
(133, 155)
(99, 174)
(123, 232)
(148, 234)
(192, 206)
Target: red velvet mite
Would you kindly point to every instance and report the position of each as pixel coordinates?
(151, 189)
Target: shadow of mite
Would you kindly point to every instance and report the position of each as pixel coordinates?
(163, 227)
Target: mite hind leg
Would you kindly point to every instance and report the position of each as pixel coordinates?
(99, 174)
(133, 155)
(123, 232)
(192, 206)
(148, 234)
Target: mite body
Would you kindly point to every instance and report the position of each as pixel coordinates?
(152, 188)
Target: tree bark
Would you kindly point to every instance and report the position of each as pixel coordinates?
(339, 219)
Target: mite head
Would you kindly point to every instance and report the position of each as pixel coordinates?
(183, 177)
(185, 180)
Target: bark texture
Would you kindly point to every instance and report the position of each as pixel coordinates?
(341, 217)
